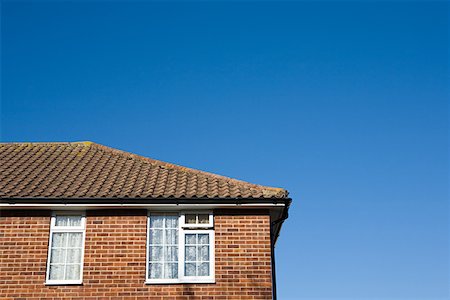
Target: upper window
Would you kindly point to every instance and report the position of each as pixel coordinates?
(65, 255)
(196, 220)
(176, 251)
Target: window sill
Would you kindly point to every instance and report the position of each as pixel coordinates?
(72, 282)
(156, 282)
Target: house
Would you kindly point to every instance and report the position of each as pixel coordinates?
(85, 221)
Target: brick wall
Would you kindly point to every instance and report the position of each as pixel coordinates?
(114, 263)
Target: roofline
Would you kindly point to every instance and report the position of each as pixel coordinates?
(126, 201)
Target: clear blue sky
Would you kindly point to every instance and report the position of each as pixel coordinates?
(342, 103)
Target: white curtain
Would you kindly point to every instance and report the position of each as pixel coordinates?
(163, 258)
(65, 256)
(196, 255)
(68, 221)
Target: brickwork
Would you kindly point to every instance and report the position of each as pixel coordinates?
(114, 263)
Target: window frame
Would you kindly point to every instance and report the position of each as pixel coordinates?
(198, 279)
(182, 231)
(196, 226)
(64, 229)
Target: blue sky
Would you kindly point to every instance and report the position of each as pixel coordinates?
(345, 104)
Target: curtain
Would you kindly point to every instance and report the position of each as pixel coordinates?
(163, 247)
(66, 251)
(196, 255)
(68, 221)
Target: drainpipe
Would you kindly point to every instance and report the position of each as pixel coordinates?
(273, 238)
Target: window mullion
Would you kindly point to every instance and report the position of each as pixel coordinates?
(181, 251)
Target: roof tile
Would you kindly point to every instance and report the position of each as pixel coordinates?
(89, 170)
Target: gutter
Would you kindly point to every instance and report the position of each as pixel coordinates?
(148, 201)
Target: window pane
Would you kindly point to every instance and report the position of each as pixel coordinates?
(203, 219)
(190, 219)
(73, 272)
(203, 253)
(171, 221)
(75, 240)
(59, 240)
(73, 256)
(163, 247)
(155, 270)
(57, 256)
(171, 236)
(203, 239)
(156, 253)
(68, 221)
(189, 269)
(190, 253)
(56, 272)
(156, 221)
(156, 236)
(203, 269)
(190, 239)
(171, 254)
(171, 270)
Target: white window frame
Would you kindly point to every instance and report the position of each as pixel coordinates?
(195, 226)
(198, 279)
(147, 271)
(54, 229)
(182, 231)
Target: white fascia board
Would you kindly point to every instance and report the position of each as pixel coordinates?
(164, 206)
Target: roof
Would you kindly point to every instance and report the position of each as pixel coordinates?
(89, 170)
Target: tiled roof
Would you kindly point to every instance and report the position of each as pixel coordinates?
(89, 170)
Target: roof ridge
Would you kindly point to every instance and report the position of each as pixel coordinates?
(86, 143)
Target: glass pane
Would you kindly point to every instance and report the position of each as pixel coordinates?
(203, 239)
(190, 253)
(190, 239)
(57, 256)
(203, 253)
(189, 269)
(171, 221)
(171, 254)
(190, 219)
(68, 221)
(56, 272)
(156, 236)
(156, 221)
(171, 270)
(203, 269)
(171, 236)
(156, 253)
(73, 256)
(73, 272)
(59, 239)
(203, 219)
(155, 270)
(75, 240)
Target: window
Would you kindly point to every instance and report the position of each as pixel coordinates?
(66, 249)
(196, 220)
(178, 251)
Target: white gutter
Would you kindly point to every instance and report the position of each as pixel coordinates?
(135, 205)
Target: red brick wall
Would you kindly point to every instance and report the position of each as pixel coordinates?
(114, 263)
